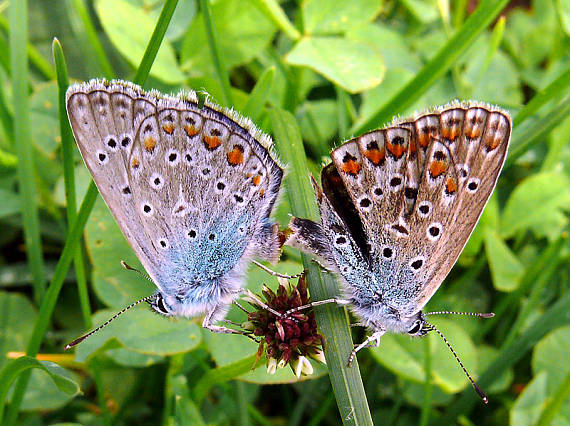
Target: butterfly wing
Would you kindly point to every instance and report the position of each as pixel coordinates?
(419, 188)
(191, 188)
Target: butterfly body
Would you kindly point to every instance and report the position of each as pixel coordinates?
(398, 205)
(191, 187)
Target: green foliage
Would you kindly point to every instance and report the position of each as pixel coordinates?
(310, 73)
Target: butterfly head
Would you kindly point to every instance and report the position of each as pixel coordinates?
(418, 326)
(159, 305)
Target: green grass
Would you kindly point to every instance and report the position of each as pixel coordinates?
(259, 57)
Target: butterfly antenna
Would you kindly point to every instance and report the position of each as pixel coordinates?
(432, 327)
(106, 323)
(472, 314)
(130, 268)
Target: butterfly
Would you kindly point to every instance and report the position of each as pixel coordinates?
(192, 188)
(397, 207)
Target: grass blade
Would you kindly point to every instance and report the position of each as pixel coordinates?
(155, 41)
(259, 95)
(219, 63)
(435, 68)
(35, 57)
(273, 11)
(67, 149)
(222, 375)
(525, 137)
(81, 23)
(24, 149)
(332, 320)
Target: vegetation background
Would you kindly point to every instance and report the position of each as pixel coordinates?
(312, 72)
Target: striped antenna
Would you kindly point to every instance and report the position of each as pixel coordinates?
(122, 311)
(472, 314)
(431, 327)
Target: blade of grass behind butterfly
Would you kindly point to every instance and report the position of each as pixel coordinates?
(50, 299)
(533, 131)
(219, 63)
(82, 25)
(67, 149)
(556, 316)
(23, 145)
(35, 57)
(332, 320)
(437, 66)
(259, 94)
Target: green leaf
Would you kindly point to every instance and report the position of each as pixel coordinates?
(15, 367)
(423, 11)
(318, 123)
(329, 17)
(243, 32)
(506, 269)
(486, 355)
(405, 357)
(44, 114)
(528, 405)
(563, 10)
(353, 65)
(539, 199)
(117, 17)
(551, 355)
(142, 331)
(10, 203)
(16, 323)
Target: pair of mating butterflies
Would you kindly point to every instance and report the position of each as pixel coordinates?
(192, 188)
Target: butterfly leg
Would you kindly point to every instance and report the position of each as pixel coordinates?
(208, 325)
(257, 301)
(277, 274)
(340, 302)
(372, 340)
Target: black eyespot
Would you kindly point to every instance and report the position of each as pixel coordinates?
(238, 198)
(221, 186)
(365, 202)
(147, 128)
(112, 143)
(212, 237)
(411, 193)
(172, 157)
(439, 156)
(162, 243)
(387, 252)
(126, 190)
(125, 142)
(398, 140)
(415, 328)
(472, 186)
(188, 157)
(378, 192)
(157, 181)
(395, 181)
(434, 231)
(102, 157)
(424, 209)
(215, 132)
(190, 120)
(192, 233)
(340, 240)
(463, 173)
(147, 208)
(417, 264)
(206, 172)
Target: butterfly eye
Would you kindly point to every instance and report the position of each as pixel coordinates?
(159, 305)
(415, 328)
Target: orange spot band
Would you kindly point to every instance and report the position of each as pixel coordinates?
(397, 150)
(150, 144)
(375, 155)
(212, 142)
(168, 128)
(235, 156)
(450, 185)
(352, 167)
(191, 130)
(437, 168)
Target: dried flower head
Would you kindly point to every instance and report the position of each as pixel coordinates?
(286, 340)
